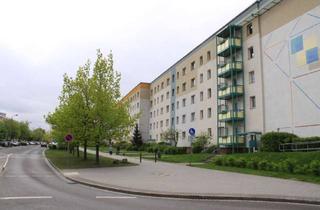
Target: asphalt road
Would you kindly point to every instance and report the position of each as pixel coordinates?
(29, 183)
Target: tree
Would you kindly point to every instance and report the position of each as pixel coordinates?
(200, 143)
(90, 106)
(136, 139)
(38, 134)
(171, 136)
(25, 133)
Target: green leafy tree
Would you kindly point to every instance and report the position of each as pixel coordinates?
(90, 107)
(38, 134)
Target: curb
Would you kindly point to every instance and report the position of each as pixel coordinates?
(183, 196)
(6, 162)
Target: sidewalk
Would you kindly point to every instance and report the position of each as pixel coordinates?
(176, 180)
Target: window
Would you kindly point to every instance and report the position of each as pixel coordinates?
(178, 75)
(251, 77)
(209, 113)
(209, 92)
(184, 86)
(184, 102)
(252, 102)
(172, 78)
(138, 94)
(167, 122)
(177, 104)
(161, 124)
(162, 97)
(155, 90)
(154, 113)
(157, 112)
(177, 119)
(209, 74)
(167, 108)
(183, 118)
(201, 114)
(184, 71)
(150, 126)
(157, 100)
(250, 53)
(151, 103)
(193, 65)
(193, 116)
(172, 121)
(201, 78)
(168, 81)
(172, 107)
(201, 96)
(208, 56)
(209, 132)
(154, 125)
(157, 124)
(162, 85)
(183, 135)
(192, 99)
(249, 29)
(201, 60)
(158, 88)
(172, 92)
(161, 110)
(150, 114)
(178, 89)
(151, 92)
(138, 105)
(167, 96)
(193, 82)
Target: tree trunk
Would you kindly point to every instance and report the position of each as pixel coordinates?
(78, 151)
(85, 150)
(97, 154)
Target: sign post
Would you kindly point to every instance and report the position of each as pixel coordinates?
(68, 138)
(192, 133)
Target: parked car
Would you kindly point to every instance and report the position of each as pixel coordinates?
(23, 143)
(43, 144)
(53, 145)
(15, 143)
(5, 143)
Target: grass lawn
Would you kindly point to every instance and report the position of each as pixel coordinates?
(186, 158)
(300, 157)
(65, 160)
(299, 177)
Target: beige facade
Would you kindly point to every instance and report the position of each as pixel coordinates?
(268, 60)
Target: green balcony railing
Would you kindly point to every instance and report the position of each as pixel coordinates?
(235, 115)
(225, 70)
(226, 44)
(229, 140)
(230, 91)
(222, 109)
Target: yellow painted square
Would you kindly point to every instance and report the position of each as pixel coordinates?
(300, 58)
(310, 42)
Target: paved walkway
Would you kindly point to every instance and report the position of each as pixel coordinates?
(168, 178)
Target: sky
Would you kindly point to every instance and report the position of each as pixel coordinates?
(40, 40)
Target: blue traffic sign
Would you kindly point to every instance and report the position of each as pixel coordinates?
(192, 131)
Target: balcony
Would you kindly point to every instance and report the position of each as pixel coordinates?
(233, 115)
(231, 91)
(230, 43)
(229, 140)
(222, 109)
(226, 70)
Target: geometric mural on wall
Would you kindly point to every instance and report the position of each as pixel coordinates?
(295, 54)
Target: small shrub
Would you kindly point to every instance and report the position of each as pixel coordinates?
(218, 161)
(262, 165)
(253, 164)
(241, 163)
(230, 161)
(210, 149)
(288, 165)
(270, 141)
(315, 167)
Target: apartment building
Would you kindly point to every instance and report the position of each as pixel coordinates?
(2, 115)
(139, 106)
(258, 73)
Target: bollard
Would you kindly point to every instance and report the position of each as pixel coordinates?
(140, 157)
(155, 157)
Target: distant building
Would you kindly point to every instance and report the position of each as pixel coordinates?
(3, 115)
(139, 104)
(258, 73)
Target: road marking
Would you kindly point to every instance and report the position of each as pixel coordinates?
(115, 197)
(71, 173)
(25, 197)
(5, 164)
